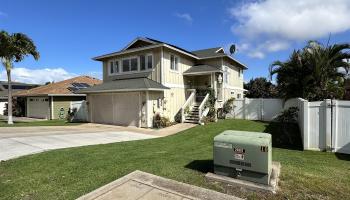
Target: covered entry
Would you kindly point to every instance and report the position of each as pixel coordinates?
(116, 108)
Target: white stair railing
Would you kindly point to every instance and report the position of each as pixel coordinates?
(201, 108)
(191, 99)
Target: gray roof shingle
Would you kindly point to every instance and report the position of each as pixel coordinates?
(211, 52)
(134, 84)
(201, 69)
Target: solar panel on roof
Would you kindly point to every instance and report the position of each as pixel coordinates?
(78, 86)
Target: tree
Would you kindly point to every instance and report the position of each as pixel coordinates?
(14, 48)
(315, 72)
(260, 88)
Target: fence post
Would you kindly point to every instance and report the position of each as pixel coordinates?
(261, 109)
(334, 131)
(305, 128)
(328, 123)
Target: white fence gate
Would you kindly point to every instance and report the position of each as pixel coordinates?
(81, 113)
(325, 125)
(341, 126)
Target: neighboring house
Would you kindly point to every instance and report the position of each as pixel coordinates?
(53, 101)
(16, 86)
(149, 76)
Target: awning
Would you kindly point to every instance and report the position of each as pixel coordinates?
(125, 85)
(201, 70)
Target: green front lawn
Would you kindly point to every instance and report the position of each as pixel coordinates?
(3, 123)
(186, 157)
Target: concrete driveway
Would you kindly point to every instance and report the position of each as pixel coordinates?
(20, 141)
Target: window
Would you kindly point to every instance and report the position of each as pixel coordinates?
(238, 96)
(149, 61)
(113, 67)
(240, 73)
(116, 66)
(130, 64)
(134, 64)
(142, 62)
(126, 65)
(174, 63)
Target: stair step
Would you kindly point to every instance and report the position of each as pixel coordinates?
(192, 117)
(191, 121)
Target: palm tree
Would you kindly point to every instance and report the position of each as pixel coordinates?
(314, 72)
(14, 48)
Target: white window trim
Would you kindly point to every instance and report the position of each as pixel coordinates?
(146, 62)
(120, 60)
(129, 58)
(178, 63)
(109, 67)
(149, 54)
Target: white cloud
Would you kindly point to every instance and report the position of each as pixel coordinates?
(39, 76)
(259, 50)
(186, 16)
(282, 22)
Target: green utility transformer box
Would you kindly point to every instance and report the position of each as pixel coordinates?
(243, 155)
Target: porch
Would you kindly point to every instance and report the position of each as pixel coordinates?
(201, 80)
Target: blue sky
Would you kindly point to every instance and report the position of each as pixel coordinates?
(69, 33)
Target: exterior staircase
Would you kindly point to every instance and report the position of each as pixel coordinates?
(196, 105)
(193, 115)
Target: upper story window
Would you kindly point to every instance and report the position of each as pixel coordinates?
(174, 63)
(113, 67)
(146, 62)
(130, 64)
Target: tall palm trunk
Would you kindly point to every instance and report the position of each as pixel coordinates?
(9, 101)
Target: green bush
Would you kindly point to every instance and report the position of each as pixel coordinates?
(161, 122)
(288, 116)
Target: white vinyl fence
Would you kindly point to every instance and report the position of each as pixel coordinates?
(260, 109)
(81, 113)
(324, 125)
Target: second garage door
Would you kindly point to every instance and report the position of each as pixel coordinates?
(118, 108)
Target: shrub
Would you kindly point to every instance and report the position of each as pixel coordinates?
(70, 114)
(288, 116)
(161, 122)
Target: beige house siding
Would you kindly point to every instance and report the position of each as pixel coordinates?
(63, 102)
(155, 75)
(171, 77)
(234, 83)
(215, 62)
(176, 96)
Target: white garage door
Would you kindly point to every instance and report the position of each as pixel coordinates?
(38, 107)
(119, 108)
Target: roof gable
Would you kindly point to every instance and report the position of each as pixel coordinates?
(139, 42)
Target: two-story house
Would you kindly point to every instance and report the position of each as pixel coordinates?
(149, 77)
